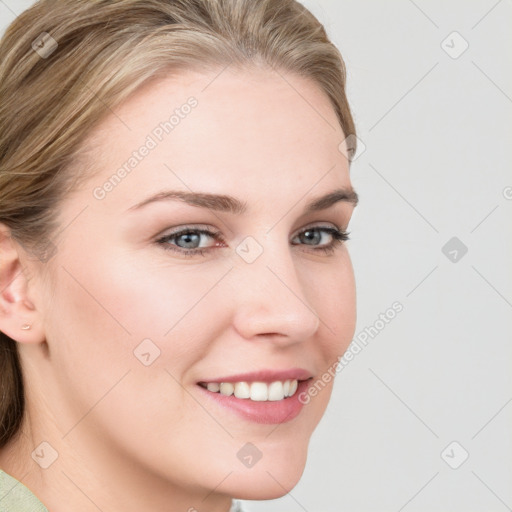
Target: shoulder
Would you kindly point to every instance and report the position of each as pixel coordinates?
(15, 497)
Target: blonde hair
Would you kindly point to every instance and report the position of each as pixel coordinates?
(65, 64)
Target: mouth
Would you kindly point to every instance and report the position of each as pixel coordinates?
(260, 397)
(255, 391)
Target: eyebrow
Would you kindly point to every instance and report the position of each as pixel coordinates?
(230, 204)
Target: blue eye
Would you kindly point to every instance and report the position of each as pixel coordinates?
(187, 241)
(313, 237)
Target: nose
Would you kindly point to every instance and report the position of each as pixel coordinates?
(270, 300)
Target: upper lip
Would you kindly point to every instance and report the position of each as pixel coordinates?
(264, 376)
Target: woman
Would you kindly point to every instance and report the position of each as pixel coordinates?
(175, 290)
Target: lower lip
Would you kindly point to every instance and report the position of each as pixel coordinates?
(269, 412)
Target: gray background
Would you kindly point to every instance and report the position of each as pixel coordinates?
(436, 128)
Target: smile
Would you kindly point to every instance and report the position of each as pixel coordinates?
(255, 391)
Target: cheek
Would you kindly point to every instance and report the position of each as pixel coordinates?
(101, 312)
(134, 296)
(110, 315)
(159, 299)
(334, 300)
(335, 304)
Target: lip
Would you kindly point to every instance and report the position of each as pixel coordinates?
(266, 376)
(268, 412)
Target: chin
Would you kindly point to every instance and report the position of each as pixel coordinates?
(268, 481)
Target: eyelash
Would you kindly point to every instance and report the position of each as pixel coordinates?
(339, 236)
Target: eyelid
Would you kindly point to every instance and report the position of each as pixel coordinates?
(187, 227)
(319, 225)
(339, 236)
(206, 229)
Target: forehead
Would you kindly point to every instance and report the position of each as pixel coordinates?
(222, 131)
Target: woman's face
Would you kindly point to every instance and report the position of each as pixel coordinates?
(135, 318)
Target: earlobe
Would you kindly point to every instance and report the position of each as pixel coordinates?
(18, 315)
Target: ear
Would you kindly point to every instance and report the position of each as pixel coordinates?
(19, 318)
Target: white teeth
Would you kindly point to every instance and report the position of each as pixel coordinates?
(276, 391)
(226, 388)
(259, 392)
(256, 391)
(242, 390)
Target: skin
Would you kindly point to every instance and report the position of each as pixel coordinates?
(132, 437)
